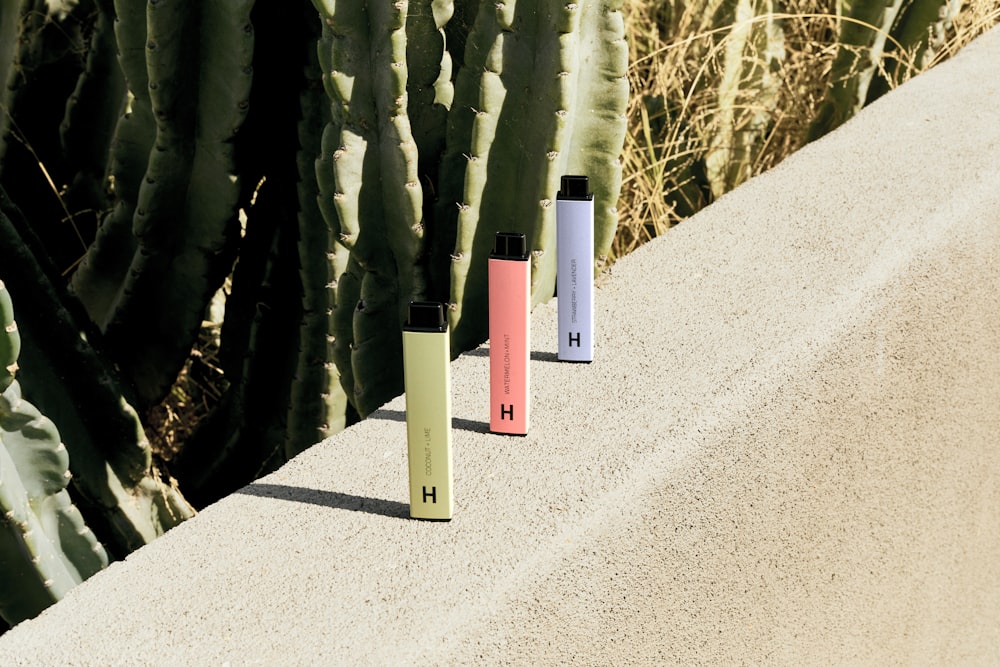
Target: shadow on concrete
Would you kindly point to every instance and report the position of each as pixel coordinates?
(332, 499)
(535, 356)
(456, 422)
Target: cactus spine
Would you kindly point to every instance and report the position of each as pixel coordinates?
(10, 339)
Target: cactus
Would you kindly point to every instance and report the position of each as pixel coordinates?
(185, 217)
(378, 199)
(47, 64)
(919, 31)
(45, 546)
(10, 339)
(89, 120)
(869, 31)
(102, 272)
(124, 499)
(747, 92)
(343, 227)
(319, 405)
(541, 92)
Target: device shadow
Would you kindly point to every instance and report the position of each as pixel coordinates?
(456, 422)
(331, 499)
(535, 356)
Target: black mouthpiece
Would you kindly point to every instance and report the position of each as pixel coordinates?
(510, 245)
(426, 316)
(575, 187)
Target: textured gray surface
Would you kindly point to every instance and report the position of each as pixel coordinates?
(786, 452)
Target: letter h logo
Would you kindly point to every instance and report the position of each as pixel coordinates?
(432, 494)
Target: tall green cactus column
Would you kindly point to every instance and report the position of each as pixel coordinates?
(199, 65)
(101, 274)
(376, 192)
(45, 546)
(115, 485)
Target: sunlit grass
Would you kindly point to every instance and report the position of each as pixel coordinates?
(678, 60)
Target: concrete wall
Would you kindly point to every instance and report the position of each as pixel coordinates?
(786, 452)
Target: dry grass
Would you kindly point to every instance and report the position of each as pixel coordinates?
(195, 393)
(678, 59)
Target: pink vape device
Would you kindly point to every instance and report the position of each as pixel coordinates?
(510, 294)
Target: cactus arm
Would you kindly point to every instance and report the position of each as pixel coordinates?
(75, 385)
(476, 103)
(185, 219)
(377, 196)
(918, 33)
(102, 272)
(864, 30)
(596, 87)
(45, 547)
(747, 93)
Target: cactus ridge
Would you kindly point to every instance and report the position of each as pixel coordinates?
(430, 93)
(186, 214)
(319, 404)
(75, 385)
(378, 198)
(10, 339)
(98, 280)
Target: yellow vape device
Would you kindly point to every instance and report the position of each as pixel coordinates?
(427, 380)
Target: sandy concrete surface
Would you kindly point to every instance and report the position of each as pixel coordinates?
(786, 452)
